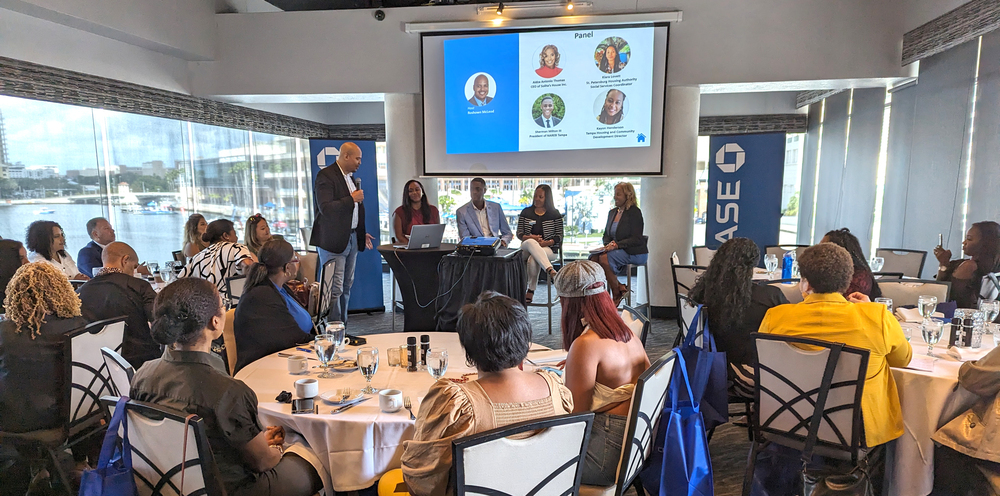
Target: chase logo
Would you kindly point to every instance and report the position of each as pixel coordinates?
(330, 151)
(720, 158)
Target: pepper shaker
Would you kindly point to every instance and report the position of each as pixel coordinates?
(425, 344)
(411, 354)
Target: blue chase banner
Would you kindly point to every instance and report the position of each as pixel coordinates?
(744, 188)
(366, 293)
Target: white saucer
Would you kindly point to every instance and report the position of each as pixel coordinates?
(333, 397)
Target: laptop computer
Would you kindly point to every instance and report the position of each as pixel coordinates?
(424, 236)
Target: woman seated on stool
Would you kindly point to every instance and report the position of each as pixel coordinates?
(189, 378)
(605, 361)
(540, 229)
(415, 211)
(863, 280)
(496, 334)
(268, 319)
(968, 275)
(737, 306)
(223, 259)
(623, 240)
(256, 233)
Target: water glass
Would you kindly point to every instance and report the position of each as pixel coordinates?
(437, 362)
(368, 363)
(770, 263)
(326, 346)
(876, 264)
(885, 301)
(153, 267)
(926, 305)
(393, 354)
(990, 309)
(931, 331)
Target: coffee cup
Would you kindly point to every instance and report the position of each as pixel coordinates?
(306, 388)
(390, 400)
(297, 365)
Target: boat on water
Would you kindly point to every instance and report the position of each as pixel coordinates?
(44, 211)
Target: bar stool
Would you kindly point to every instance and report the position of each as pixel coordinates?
(550, 302)
(628, 282)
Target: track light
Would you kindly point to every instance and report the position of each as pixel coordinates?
(569, 5)
(500, 9)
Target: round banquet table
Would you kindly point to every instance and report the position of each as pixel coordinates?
(928, 400)
(360, 444)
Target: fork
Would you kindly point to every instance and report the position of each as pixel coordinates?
(408, 406)
(345, 394)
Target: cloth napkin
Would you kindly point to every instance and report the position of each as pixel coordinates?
(913, 315)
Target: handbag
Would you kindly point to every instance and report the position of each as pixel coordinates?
(679, 463)
(113, 475)
(826, 481)
(708, 369)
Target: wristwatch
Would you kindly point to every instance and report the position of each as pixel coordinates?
(942, 268)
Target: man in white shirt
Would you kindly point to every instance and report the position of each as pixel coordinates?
(339, 229)
(482, 218)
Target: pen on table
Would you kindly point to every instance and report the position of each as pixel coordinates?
(307, 350)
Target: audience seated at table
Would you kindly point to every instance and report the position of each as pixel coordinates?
(188, 316)
(735, 305)
(863, 281)
(268, 318)
(223, 259)
(540, 229)
(41, 309)
(496, 334)
(604, 363)
(414, 211)
(967, 460)
(46, 242)
(968, 276)
(12, 257)
(825, 314)
(101, 234)
(193, 229)
(257, 232)
(115, 292)
(624, 242)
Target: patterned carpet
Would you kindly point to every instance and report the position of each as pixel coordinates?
(729, 445)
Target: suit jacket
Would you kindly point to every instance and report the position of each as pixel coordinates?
(468, 221)
(263, 325)
(472, 101)
(541, 121)
(629, 233)
(110, 295)
(89, 258)
(334, 211)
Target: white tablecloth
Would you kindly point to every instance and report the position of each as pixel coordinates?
(362, 443)
(929, 400)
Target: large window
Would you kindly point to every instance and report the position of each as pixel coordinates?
(145, 174)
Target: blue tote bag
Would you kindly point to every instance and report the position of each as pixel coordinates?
(709, 372)
(113, 475)
(680, 463)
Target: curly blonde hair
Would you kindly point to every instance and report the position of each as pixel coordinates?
(36, 290)
(629, 190)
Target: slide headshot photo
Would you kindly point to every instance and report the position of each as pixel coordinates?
(548, 62)
(548, 110)
(611, 107)
(612, 55)
(480, 89)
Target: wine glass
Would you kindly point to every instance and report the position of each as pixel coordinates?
(876, 263)
(368, 363)
(326, 348)
(770, 264)
(885, 301)
(926, 305)
(437, 362)
(168, 273)
(990, 309)
(931, 331)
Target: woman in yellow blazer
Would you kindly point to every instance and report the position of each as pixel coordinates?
(826, 271)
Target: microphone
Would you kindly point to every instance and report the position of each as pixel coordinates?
(357, 182)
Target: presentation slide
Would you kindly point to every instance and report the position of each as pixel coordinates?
(573, 89)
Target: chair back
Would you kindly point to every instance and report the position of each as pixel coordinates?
(157, 436)
(229, 337)
(702, 255)
(779, 251)
(179, 256)
(647, 404)
(307, 265)
(674, 259)
(548, 462)
(234, 288)
(909, 262)
(637, 322)
(687, 312)
(325, 289)
(89, 373)
(790, 288)
(119, 370)
(907, 291)
(789, 381)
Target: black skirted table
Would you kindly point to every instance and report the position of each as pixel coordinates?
(416, 269)
(462, 279)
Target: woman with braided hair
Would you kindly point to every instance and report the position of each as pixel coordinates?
(41, 309)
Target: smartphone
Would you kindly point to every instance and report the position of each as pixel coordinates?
(303, 405)
(940, 240)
